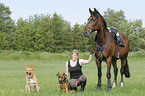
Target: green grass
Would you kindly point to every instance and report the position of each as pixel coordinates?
(12, 77)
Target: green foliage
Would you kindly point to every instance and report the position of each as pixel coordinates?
(59, 32)
(132, 29)
(3, 41)
(54, 34)
(51, 34)
(78, 40)
(7, 27)
(114, 18)
(26, 55)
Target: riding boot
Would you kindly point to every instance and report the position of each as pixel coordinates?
(83, 86)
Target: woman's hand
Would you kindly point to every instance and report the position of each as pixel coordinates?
(91, 51)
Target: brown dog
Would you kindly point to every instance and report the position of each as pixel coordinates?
(63, 82)
(31, 80)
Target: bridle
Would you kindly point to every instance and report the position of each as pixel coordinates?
(92, 29)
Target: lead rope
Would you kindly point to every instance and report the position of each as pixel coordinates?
(91, 44)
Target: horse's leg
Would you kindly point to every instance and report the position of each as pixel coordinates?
(99, 74)
(123, 61)
(115, 72)
(109, 61)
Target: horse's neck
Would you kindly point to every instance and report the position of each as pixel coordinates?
(102, 36)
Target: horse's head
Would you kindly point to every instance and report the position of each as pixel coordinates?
(93, 23)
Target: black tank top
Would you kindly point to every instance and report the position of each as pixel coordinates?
(76, 71)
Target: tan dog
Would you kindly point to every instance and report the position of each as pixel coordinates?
(63, 82)
(31, 80)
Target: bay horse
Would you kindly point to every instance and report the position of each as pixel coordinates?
(105, 49)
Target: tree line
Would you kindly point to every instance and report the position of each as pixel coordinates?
(54, 34)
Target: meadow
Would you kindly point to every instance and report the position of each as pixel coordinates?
(47, 65)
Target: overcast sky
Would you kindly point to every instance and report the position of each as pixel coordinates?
(75, 10)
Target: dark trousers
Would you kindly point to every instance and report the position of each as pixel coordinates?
(77, 82)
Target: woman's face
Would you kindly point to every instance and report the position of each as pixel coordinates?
(74, 56)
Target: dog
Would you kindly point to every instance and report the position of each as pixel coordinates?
(31, 80)
(63, 82)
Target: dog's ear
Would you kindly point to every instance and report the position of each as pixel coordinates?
(64, 74)
(57, 74)
(26, 66)
(31, 67)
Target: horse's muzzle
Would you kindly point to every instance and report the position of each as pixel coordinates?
(86, 34)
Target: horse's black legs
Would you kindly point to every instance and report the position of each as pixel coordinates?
(123, 61)
(109, 61)
(99, 79)
(99, 75)
(115, 72)
(121, 77)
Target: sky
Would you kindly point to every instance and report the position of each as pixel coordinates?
(75, 11)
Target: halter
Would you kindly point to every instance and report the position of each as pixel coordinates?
(93, 25)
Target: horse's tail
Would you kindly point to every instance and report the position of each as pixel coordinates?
(126, 70)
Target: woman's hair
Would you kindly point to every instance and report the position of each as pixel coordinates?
(75, 51)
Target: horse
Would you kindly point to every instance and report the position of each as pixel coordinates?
(105, 49)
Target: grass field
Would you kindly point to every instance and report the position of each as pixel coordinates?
(12, 78)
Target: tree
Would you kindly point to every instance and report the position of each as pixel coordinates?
(132, 29)
(3, 41)
(47, 35)
(67, 36)
(7, 25)
(114, 19)
(78, 40)
(76, 36)
(57, 24)
(136, 35)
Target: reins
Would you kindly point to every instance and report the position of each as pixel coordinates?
(101, 49)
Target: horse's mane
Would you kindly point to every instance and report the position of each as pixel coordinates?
(104, 21)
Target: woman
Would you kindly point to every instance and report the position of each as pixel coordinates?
(74, 68)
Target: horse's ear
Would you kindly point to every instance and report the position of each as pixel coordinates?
(95, 10)
(90, 11)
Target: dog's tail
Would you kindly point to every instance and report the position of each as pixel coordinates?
(22, 90)
(39, 87)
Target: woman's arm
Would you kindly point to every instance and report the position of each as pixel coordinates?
(67, 72)
(82, 61)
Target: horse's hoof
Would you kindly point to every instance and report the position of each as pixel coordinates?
(114, 85)
(109, 90)
(121, 84)
(98, 88)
